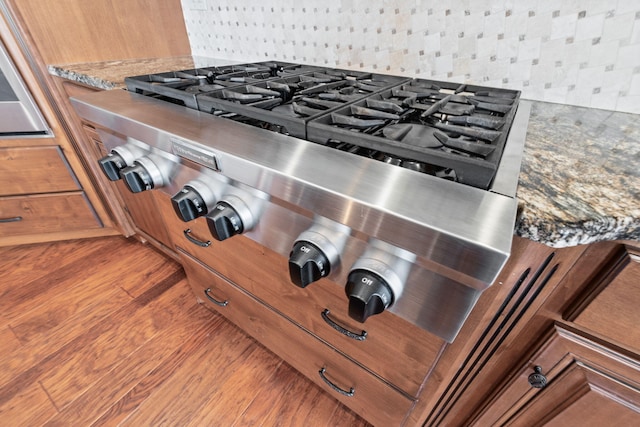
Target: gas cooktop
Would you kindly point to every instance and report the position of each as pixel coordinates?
(454, 131)
(358, 165)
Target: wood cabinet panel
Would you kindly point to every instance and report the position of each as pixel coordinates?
(371, 398)
(32, 170)
(265, 274)
(144, 212)
(43, 214)
(612, 308)
(81, 31)
(582, 396)
(41, 172)
(579, 372)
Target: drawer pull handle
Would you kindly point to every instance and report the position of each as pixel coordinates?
(537, 378)
(354, 336)
(207, 293)
(187, 234)
(349, 393)
(12, 219)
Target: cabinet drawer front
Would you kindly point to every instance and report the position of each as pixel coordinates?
(265, 274)
(32, 170)
(372, 398)
(46, 214)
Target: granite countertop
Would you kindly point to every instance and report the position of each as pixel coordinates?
(111, 74)
(580, 175)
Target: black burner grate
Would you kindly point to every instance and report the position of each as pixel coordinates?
(445, 129)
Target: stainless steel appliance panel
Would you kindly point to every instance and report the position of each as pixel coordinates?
(19, 114)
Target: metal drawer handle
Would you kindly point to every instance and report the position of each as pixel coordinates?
(335, 387)
(12, 219)
(537, 379)
(358, 337)
(207, 293)
(187, 234)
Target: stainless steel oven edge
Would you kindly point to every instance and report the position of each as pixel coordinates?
(19, 114)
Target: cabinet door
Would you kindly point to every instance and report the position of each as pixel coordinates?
(587, 383)
(611, 308)
(584, 396)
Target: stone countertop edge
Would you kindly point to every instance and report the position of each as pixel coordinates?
(580, 174)
(111, 74)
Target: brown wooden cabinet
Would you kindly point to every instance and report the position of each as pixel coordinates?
(38, 34)
(550, 309)
(610, 305)
(582, 335)
(336, 373)
(45, 194)
(41, 198)
(588, 383)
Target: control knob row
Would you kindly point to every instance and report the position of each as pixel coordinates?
(139, 169)
(228, 215)
(118, 159)
(375, 281)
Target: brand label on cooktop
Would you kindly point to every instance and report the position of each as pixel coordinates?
(196, 154)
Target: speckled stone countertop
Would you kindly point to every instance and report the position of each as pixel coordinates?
(580, 175)
(111, 74)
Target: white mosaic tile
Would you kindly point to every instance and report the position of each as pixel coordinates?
(619, 26)
(582, 52)
(589, 27)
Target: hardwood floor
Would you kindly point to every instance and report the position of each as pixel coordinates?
(107, 332)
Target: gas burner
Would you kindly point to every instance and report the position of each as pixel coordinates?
(292, 102)
(457, 131)
(433, 170)
(181, 87)
(446, 125)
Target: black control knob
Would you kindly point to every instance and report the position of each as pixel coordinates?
(111, 165)
(368, 294)
(189, 204)
(224, 222)
(307, 263)
(137, 178)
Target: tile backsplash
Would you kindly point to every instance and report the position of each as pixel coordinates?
(578, 52)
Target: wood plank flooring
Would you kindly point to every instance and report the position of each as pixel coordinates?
(107, 332)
